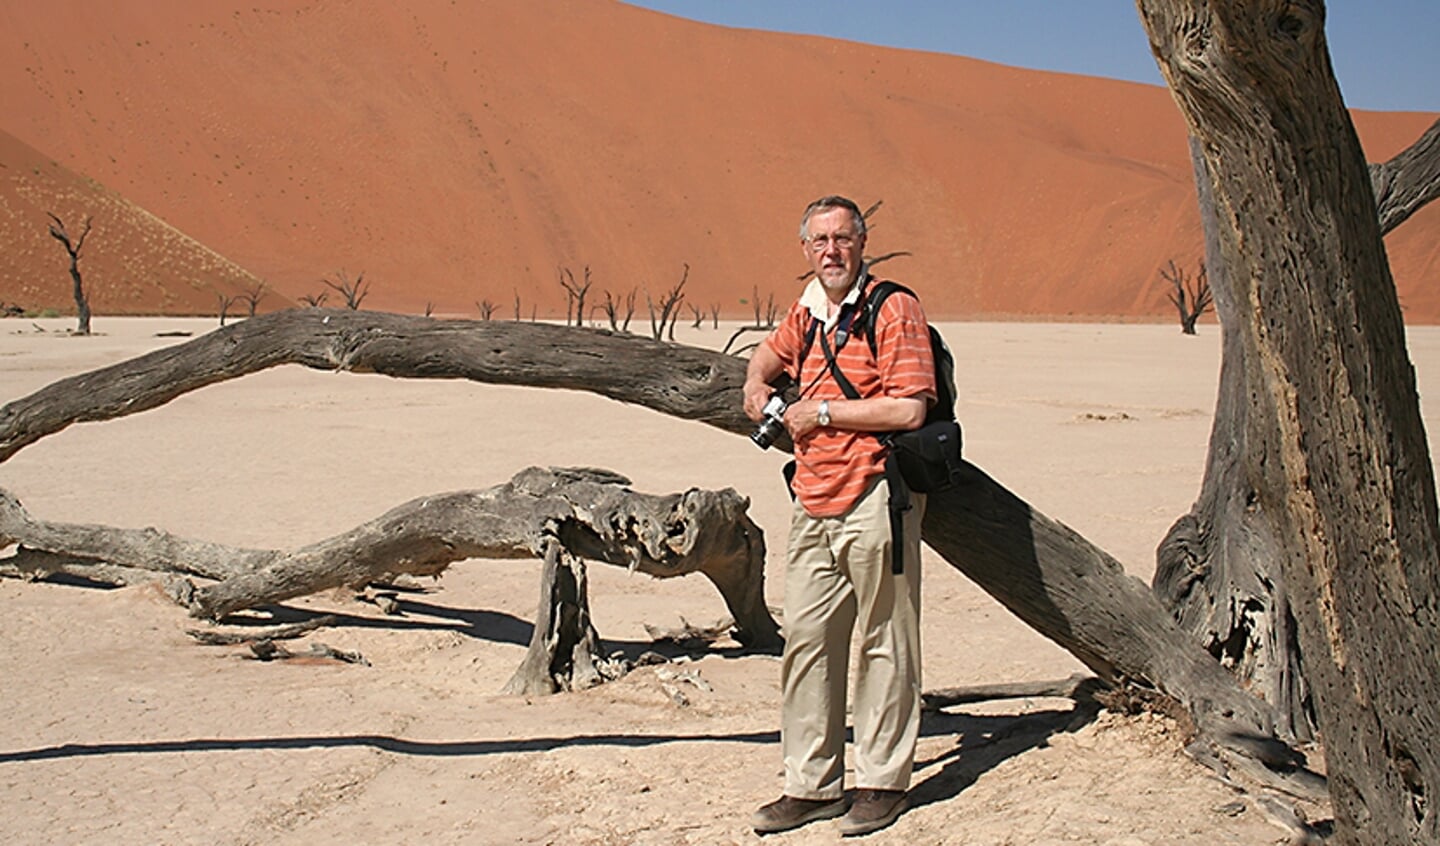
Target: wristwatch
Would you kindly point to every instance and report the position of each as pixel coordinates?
(823, 415)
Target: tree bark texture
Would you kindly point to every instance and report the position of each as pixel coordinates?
(1069, 590)
(1334, 440)
(1218, 568)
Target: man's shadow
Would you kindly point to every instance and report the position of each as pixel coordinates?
(985, 741)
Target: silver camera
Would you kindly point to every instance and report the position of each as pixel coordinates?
(772, 422)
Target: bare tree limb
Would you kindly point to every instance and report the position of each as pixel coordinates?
(1408, 181)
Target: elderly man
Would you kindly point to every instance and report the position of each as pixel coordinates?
(838, 572)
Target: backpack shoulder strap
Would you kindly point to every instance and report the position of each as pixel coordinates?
(870, 312)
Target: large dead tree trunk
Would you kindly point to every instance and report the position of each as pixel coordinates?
(1069, 590)
(1218, 568)
(1333, 445)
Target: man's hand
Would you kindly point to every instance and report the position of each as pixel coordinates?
(764, 366)
(757, 393)
(802, 418)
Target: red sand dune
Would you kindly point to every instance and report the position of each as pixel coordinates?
(455, 152)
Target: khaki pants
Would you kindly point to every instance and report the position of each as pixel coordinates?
(839, 577)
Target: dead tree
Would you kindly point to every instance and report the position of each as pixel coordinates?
(1191, 299)
(429, 308)
(697, 314)
(353, 290)
(715, 315)
(629, 310)
(764, 322)
(611, 307)
(1052, 578)
(564, 515)
(1334, 451)
(315, 300)
(73, 248)
(1218, 568)
(252, 297)
(663, 321)
(574, 294)
(223, 304)
(486, 307)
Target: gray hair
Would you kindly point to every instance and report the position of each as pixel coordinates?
(832, 202)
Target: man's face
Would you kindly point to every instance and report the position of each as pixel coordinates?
(834, 247)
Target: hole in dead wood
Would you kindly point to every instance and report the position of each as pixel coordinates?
(1290, 25)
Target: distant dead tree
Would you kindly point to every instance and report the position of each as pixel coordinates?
(669, 309)
(315, 300)
(517, 306)
(764, 321)
(715, 315)
(224, 304)
(574, 294)
(429, 308)
(487, 308)
(353, 290)
(73, 247)
(252, 298)
(611, 307)
(697, 314)
(1191, 298)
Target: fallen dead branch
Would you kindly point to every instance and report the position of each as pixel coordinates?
(284, 632)
(563, 515)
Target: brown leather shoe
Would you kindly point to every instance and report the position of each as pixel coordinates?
(872, 810)
(787, 812)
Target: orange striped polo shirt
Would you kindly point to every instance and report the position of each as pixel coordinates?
(834, 467)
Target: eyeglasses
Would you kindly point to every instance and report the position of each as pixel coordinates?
(821, 243)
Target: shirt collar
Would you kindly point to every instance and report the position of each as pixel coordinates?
(818, 302)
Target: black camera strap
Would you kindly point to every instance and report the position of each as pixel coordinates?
(846, 386)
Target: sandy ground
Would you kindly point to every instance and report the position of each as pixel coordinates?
(119, 729)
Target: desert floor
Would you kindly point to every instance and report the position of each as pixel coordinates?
(120, 729)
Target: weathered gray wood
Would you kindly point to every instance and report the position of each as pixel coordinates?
(591, 513)
(1079, 687)
(680, 381)
(564, 651)
(286, 631)
(1335, 447)
(1081, 598)
(1218, 569)
(1406, 183)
